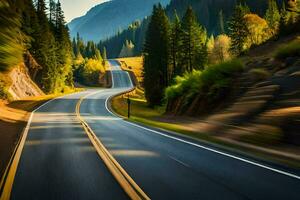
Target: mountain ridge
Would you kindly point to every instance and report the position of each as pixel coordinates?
(97, 24)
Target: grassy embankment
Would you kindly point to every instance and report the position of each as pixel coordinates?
(141, 113)
(133, 64)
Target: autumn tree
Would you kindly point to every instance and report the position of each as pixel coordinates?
(221, 50)
(257, 28)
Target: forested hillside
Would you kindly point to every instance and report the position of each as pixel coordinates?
(183, 59)
(212, 14)
(108, 18)
(34, 35)
(38, 36)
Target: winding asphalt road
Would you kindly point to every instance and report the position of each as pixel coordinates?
(59, 162)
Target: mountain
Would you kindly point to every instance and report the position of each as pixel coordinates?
(106, 19)
(209, 14)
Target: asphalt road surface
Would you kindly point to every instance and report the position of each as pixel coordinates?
(59, 162)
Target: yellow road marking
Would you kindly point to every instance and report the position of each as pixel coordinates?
(125, 181)
(12, 169)
(7, 180)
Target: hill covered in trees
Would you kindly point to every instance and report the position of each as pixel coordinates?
(31, 33)
(211, 14)
(34, 38)
(106, 19)
(182, 59)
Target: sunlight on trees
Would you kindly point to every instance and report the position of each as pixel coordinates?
(221, 50)
(257, 28)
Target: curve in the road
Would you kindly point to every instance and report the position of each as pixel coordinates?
(59, 161)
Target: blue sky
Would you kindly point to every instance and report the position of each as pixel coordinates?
(76, 8)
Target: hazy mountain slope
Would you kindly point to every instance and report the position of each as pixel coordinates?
(104, 20)
(208, 14)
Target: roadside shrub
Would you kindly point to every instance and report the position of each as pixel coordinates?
(211, 82)
(291, 49)
(88, 71)
(259, 74)
(189, 81)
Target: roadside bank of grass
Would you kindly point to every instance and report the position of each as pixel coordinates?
(141, 113)
(134, 64)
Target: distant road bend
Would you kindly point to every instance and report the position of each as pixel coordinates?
(76, 148)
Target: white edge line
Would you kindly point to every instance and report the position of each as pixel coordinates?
(203, 147)
(197, 145)
(131, 83)
(112, 77)
(112, 80)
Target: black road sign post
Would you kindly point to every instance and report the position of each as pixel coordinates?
(128, 102)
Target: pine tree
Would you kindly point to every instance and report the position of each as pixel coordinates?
(98, 56)
(238, 30)
(64, 49)
(157, 54)
(175, 46)
(194, 49)
(286, 25)
(80, 45)
(104, 55)
(273, 17)
(45, 50)
(74, 47)
(127, 49)
(52, 12)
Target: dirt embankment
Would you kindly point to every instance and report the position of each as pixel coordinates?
(12, 122)
(22, 85)
(14, 115)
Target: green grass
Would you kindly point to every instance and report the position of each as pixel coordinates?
(139, 107)
(210, 83)
(291, 49)
(143, 114)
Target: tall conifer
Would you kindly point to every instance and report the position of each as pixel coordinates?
(238, 30)
(157, 54)
(194, 36)
(175, 46)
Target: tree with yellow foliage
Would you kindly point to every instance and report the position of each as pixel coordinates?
(257, 28)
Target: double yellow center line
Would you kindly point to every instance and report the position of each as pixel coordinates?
(125, 181)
